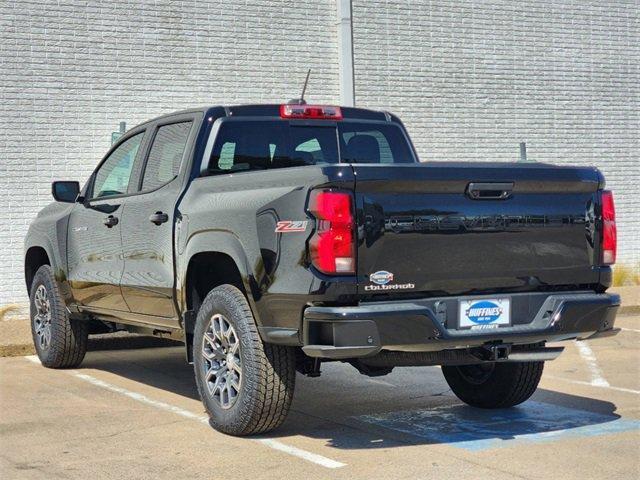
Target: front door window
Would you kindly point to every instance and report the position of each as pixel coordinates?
(112, 178)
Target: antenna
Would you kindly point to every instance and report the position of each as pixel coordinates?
(304, 88)
(300, 101)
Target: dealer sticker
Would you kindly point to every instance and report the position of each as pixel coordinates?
(484, 313)
(382, 282)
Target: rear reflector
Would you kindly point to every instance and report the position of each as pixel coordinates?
(609, 232)
(332, 247)
(315, 112)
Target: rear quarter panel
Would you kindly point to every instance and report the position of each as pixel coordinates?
(237, 214)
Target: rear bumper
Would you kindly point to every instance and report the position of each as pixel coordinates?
(429, 325)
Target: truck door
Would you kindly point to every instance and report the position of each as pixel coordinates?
(148, 223)
(94, 243)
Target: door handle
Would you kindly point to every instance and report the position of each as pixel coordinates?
(110, 221)
(158, 218)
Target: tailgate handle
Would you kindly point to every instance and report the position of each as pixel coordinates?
(490, 190)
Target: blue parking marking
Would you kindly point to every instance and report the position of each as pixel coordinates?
(475, 429)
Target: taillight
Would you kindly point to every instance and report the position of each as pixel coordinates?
(316, 112)
(332, 247)
(609, 234)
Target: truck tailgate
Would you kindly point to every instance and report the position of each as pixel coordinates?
(465, 228)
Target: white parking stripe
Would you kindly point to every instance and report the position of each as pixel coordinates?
(597, 380)
(381, 382)
(298, 452)
(269, 442)
(141, 398)
(580, 382)
(630, 330)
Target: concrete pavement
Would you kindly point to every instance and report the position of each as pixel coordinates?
(134, 413)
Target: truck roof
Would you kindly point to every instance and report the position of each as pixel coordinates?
(273, 110)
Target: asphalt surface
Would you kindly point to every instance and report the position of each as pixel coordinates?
(134, 413)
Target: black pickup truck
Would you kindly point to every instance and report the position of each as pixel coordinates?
(272, 238)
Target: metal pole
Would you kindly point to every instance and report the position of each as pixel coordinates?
(345, 53)
(523, 151)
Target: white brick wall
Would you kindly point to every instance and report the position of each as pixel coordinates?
(473, 78)
(470, 78)
(70, 71)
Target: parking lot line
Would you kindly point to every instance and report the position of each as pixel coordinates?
(269, 442)
(589, 384)
(630, 330)
(597, 378)
(298, 452)
(381, 382)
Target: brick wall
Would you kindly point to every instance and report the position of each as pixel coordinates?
(471, 79)
(72, 70)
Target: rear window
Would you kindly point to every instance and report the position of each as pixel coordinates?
(260, 145)
(373, 143)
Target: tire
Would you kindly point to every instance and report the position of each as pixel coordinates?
(246, 386)
(60, 341)
(494, 385)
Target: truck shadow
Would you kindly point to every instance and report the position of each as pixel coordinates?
(349, 411)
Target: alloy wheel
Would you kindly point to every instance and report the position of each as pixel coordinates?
(222, 361)
(42, 319)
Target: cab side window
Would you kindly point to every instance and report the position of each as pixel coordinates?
(112, 178)
(163, 164)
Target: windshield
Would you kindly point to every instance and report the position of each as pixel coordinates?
(265, 144)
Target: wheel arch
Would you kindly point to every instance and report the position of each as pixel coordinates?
(207, 270)
(211, 259)
(35, 257)
(46, 244)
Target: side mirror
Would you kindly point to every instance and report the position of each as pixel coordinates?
(65, 191)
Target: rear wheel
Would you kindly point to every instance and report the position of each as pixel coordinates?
(60, 341)
(246, 385)
(494, 385)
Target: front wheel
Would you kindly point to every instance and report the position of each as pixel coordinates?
(246, 385)
(494, 385)
(60, 341)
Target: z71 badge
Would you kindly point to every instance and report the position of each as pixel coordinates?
(291, 226)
